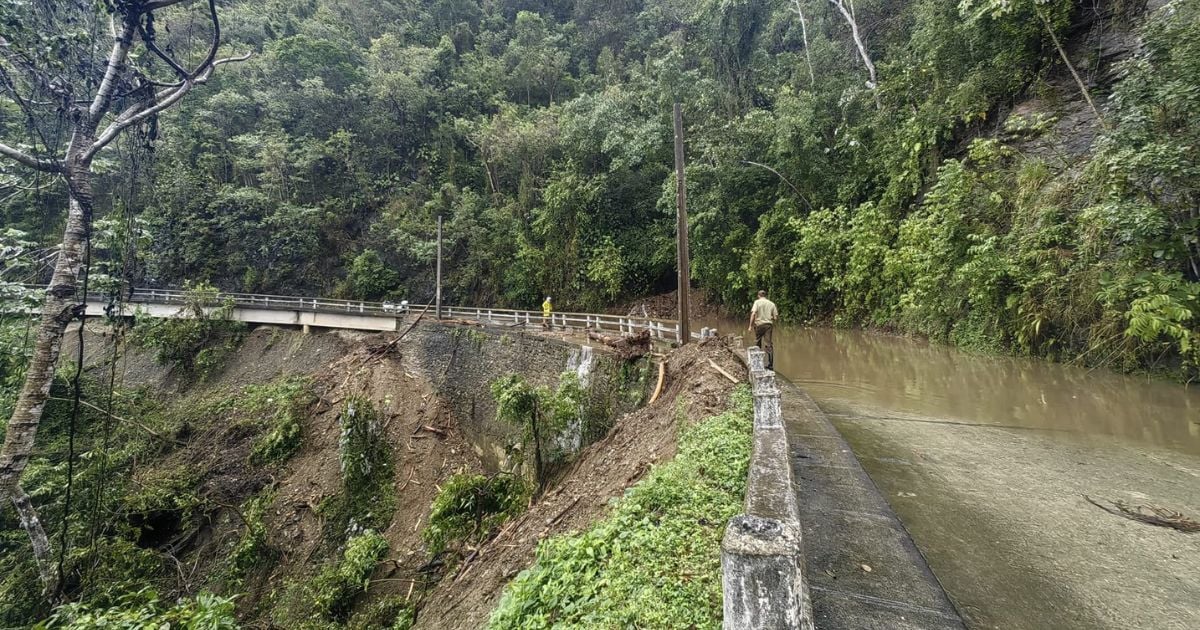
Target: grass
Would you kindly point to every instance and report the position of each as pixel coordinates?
(655, 561)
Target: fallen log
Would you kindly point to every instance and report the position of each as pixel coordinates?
(630, 347)
(662, 371)
(723, 372)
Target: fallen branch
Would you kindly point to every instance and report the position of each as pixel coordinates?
(1150, 515)
(662, 372)
(554, 521)
(630, 347)
(135, 423)
(723, 372)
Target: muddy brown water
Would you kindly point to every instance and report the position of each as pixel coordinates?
(918, 381)
(987, 460)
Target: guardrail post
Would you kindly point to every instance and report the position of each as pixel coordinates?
(762, 576)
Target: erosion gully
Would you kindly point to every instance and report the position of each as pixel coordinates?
(990, 464)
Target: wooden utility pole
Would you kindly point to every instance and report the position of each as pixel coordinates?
(437, 296)
(684, 260)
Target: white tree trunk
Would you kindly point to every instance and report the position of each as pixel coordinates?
(38, 539)
(58, 310)
(812, 75)
(846, 8)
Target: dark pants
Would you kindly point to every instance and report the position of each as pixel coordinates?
(762, 339)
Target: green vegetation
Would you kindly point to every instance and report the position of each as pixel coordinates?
(282, 405)
(325, 600)
(144, 610)
(196, 344)
(252, 550)
(948, 180)
(655, 561)
(368, 496)
(469, 509)
(914, 200)
(547, 418)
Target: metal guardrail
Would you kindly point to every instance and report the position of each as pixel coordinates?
(662, 329)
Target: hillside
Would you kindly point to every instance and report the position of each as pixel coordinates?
(970, 193)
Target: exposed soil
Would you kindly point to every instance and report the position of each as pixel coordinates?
(428, 446)
(666, 306)
(692, 390)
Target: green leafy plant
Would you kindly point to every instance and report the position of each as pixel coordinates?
(542, 415)
(329, 596)
(252, 550)
(367, 498)
(144, 610)
(655, 561)
(469, 508)
(199, 341)
(282, 405)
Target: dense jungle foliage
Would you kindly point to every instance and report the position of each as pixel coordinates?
(968, 195)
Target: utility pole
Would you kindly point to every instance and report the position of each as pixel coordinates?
(684, 260)
(438, 293)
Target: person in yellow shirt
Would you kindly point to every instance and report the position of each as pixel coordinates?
(763, 316)
(547, 312)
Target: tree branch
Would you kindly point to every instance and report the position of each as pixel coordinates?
(785, 180)
(38, 164)
(852, 20)
(116, 60)
(812, 75)
(163, 101)
(148, 40)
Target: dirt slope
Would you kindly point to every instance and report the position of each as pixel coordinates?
(693, 389)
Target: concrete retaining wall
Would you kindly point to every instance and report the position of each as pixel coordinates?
(762, 558)
(462, 362)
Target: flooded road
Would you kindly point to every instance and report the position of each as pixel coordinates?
(987, 461)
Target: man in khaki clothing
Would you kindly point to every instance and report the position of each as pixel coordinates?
(763, 316)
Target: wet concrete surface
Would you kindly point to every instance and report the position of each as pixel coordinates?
(862, 568)
(987, 460)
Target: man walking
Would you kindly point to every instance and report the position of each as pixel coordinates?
(547, 314)
(763, 316)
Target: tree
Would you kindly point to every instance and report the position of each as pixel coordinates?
(49, 70)
(799, 9)
(998, 8)
(846, 8)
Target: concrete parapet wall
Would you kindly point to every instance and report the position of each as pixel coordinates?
(762, 558)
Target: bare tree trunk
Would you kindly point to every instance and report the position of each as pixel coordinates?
(37, 536)
(846, 8)
(60, 307)
(812, 75)
(1087, 95)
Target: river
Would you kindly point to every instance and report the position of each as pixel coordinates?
(989, 462)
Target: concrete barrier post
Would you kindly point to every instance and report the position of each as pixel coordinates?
(757, 359)
(761, 574)
(762, 560)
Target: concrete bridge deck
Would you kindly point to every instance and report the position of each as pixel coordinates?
(311, 312)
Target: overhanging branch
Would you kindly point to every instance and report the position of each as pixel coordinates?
(39, 164)
(161, 102)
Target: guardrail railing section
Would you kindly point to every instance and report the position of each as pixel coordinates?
(661, 329)
(762, 563)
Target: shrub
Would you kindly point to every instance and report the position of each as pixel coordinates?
(470, 507)
(328, 597)
(198, 342)
(367, 498)
(284, 404)
(143, 609)
(655, 561)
